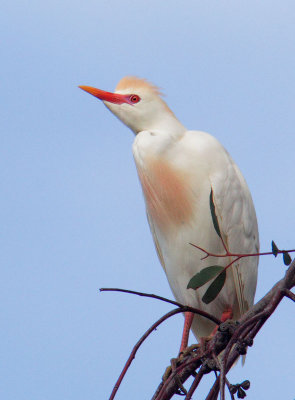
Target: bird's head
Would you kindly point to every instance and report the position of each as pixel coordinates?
(137, 103)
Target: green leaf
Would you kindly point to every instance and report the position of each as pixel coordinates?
(204, 276)
(287, 259)
(245, 384)
(274, 248)
(215, 287)
(213, 214)
(233, 389)
(241, 393)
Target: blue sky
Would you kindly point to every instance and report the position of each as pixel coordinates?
(72, 213)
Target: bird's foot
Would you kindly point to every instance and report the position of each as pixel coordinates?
(188, 350)
(169, 370)
(229, 326)
(175, 362)
(204, 342)
(226, 316)
(167, 373)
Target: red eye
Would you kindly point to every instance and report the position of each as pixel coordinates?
(134, 98)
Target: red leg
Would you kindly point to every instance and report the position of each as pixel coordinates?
(189, 316)
(227, 314)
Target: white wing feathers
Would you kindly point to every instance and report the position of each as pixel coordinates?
(238, 225)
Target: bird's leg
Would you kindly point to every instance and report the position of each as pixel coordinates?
(184, 341)
(227, 314)
(188, 319)
(189, 316)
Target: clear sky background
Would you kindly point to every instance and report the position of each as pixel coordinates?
(72, 212)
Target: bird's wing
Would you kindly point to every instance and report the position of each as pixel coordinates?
(237, 220)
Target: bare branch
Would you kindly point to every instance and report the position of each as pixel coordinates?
(289, 294)
(136, 347)
(154, 296)
(195, 384)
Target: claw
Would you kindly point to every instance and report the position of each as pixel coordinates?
(190, 349)
(170, 368)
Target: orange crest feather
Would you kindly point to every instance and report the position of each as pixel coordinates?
(133, 83)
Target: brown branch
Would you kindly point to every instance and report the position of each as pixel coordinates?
(136, 347)
(228, 386)
(239, 255)
(154, 296)
(238, 334)
(180, 309)
(213, 394)
(248, 327)
(194, 385)
(289, 294)
(229, 338)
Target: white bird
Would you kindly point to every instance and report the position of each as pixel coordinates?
(177, 169)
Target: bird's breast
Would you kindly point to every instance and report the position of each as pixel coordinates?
(167, 193)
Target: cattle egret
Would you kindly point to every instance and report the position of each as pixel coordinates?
(177, 169)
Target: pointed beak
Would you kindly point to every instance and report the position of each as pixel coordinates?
(115, 98)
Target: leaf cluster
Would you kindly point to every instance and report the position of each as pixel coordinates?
(214, 271)
(217, 272)
(275, 251)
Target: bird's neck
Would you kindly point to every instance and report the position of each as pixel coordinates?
(167, 126)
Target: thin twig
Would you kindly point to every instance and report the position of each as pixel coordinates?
(289, 294)
(213, 394)
(228, 386)
(236, 335)
(154, 296)
(136, 347)
(239, 255)
(195, 384)
(222, 379)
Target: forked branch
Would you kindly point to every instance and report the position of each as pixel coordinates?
(232, 338)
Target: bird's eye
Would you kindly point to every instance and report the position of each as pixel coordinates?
(134, 98)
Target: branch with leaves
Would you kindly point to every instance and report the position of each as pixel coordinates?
(233, 340)
(232, 337)
(218, 272)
